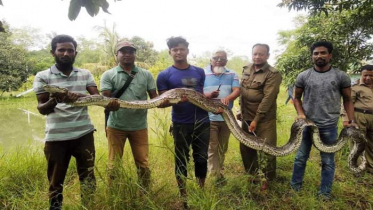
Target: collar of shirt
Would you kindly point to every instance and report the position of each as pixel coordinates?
(264, 68)
(134, 69)
(55, 70)
(361, 83)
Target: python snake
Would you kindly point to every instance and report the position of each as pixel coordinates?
(174, 96)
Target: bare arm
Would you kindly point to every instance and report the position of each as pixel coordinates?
(92, 90)
(235, 93)
(152, 93)
(46, 104)
(347, 104)
(298, 103)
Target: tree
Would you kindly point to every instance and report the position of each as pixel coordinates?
(2, 29)
(92, 7)
(363, 8)
(163, 61)
(146, 56)
(110, 39)
(88, 51)
(12, 64)
(202, 60)
(350, 37)
(237, 63)
(326, 6)
(29, 38)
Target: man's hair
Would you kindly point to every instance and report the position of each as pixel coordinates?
(262, 45)
(61, 39)
(366, 67)
(175, 41)
(326, 44)
(219, 51)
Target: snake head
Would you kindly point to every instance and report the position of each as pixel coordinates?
(355, 134)
(54, 89)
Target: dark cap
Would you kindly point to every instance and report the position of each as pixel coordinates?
(123, 44)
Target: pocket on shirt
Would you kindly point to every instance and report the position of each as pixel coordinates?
(365, 97)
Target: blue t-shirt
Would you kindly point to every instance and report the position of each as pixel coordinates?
(227, 80)
(193, 78)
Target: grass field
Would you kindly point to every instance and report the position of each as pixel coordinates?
(23, 181)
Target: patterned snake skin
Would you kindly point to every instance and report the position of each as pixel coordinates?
(257, 143)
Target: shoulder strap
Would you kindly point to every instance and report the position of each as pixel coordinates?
(125, 86)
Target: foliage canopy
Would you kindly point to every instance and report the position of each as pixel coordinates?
(349, 35)
(92, 7)
(327, 6)
(12, 64)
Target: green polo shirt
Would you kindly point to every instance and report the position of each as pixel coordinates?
(128, 119)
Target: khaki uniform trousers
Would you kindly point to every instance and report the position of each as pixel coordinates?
(266, 130)
(218, 146)
(139, 146)
(365, 123)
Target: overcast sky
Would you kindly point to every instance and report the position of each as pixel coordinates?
(206, 24)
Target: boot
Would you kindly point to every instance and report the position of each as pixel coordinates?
(56, 202)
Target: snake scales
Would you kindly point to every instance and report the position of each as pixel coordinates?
(257, 143)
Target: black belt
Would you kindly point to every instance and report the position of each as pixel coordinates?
(363, 111)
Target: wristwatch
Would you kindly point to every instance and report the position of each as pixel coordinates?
(351, 121)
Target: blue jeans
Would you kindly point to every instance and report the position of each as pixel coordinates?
(328, 135)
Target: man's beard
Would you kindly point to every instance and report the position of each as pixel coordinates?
(219, 69)
(64, 65)
(321, 64)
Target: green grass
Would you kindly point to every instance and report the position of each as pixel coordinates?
(23, 181)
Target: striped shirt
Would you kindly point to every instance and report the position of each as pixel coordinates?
(66, 122)
(227, 80)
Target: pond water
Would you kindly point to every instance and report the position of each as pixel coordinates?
(20, 125)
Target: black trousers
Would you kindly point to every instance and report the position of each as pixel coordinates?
(58, 155)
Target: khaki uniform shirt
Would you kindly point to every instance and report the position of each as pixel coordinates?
(362, 98)
(259, 90)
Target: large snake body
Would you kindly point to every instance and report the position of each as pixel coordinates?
(174, 96)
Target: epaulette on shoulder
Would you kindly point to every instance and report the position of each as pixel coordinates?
(272, 69)
(247, 67)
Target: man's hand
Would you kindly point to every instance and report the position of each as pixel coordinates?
(68, 97)
(352, 124)
(213, 94)
(71, 97)
(164, 104)
(113, 105)
(301, 116)
(225, 101)
(252, 126)
(219, 111)
(60, 97)
(345, 123)
(183, 99)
